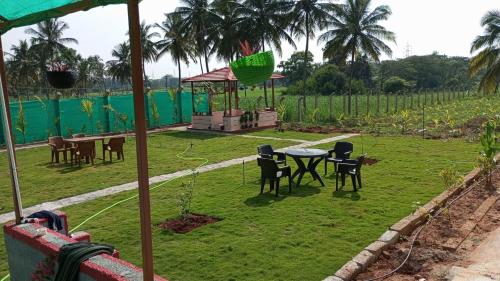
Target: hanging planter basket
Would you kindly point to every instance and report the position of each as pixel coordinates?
(254, 69)
(61, 79)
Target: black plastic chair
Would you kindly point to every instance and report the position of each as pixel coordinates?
(342, 152)
(266, 151)
(351, 167)
(272, 172)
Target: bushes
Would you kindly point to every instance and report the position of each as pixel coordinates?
(396, 84)
(326, 80)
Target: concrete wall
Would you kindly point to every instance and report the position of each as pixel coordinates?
(26, 248)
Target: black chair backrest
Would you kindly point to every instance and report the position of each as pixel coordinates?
(341, 148)
(265, 151)
(269, 168)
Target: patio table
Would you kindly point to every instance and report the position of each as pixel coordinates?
(94, 139)
(314, 155)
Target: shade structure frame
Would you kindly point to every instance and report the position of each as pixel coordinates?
(18, 13)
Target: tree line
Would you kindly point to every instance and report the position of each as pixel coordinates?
(350, 32)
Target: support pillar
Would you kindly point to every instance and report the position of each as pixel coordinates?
(141, 139)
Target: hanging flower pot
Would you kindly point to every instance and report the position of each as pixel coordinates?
(253, 68)
(60, 77)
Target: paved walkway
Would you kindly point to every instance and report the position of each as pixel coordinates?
(484, 262)
(65, 202)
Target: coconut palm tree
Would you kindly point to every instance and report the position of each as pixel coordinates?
(355, 28)
(226, 26)
(21, 65)
(174, 41)
(307, 16)
(48, 40)
(196, 19)
(266, 23)
(149, 51)
(488, 58)
(120, 68)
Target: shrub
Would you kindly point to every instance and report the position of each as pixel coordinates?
(396, 84)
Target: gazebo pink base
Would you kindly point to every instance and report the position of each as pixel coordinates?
(218, 122)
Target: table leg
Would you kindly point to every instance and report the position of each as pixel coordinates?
(301, 170)
(312, 168)
(103, 151)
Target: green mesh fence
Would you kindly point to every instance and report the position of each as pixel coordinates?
(97, 115)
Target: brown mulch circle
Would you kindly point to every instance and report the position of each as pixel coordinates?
(186, 224)
(370, 161)
(429, 260)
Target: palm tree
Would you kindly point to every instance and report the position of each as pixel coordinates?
(354, 27)
(120, 68)
(175, 42)
(196, 18)
(48, 41)
(266, 22)
(21, 65)
(307, 16)
(488, 58)
(149, 51)
(227, 26)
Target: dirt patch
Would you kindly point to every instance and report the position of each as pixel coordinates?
(429, 259)
(186, 224)
(370, 161)
(319, 129)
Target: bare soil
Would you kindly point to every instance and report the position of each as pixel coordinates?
(429, 260)
(188, 223)
(370, 161)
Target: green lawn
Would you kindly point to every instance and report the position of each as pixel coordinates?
(291, 135)
(307, 235)
(42, 181)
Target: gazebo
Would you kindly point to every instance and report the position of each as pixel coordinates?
(229, 119)
(17, 13)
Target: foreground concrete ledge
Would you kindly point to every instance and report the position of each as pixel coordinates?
(404, 227)
(29, 246)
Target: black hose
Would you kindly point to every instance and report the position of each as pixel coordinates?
(72, 255)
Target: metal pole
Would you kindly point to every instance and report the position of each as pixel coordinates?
(141, 139)
(16, 195)
(9, 140)
(272, 86)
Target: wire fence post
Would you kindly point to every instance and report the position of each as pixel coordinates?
(378, 103)
(404, 100)
(356, 104)
(368, 101)
(396, 102)
(387, 104)
(330, 107)
(299, 106)
(344, 99)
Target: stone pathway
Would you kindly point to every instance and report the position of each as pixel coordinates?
(65, 202)
(484, 262)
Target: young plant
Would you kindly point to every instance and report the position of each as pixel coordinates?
(451, 178)
(21, 124)
(402, 121)
(186, 197)
(88, 108)
(486, 159)
(281, 116)
(155, 112)
(313, 117)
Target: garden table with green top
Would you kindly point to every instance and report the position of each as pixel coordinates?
(314, 155)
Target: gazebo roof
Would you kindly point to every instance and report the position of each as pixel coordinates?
(16, 13)
(221, 75)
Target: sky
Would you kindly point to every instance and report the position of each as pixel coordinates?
(421, 27)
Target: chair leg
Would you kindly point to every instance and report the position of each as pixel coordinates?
(271, 185)
(353, 179)
(52, 156)
(123, 155)
(336, 182)
(110, 156)
(277, 187)
(289, 184)
(326, 162)
(65, 155)
(359, 180)
(262, 184)
(342, 176)
(335, 167)
(57, 156)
